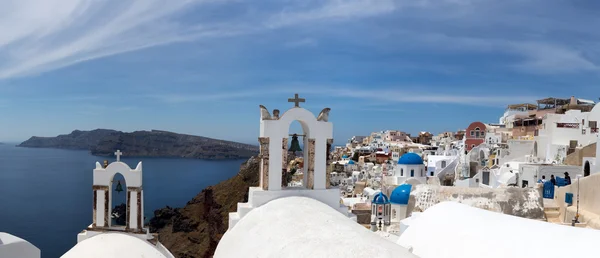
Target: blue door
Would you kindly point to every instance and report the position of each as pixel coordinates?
(548, 190)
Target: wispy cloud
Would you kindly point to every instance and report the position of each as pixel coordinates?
(43, 35)
(376, 98)
(48, 34)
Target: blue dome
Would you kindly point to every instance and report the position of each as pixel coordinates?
(345, 157)
(351, 162)
(401, 194)
(380, 198)
(410, 159)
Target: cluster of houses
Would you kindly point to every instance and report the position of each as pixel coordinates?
(553, 141)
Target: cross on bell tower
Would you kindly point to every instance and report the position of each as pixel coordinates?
(296, 100)
(118, 153)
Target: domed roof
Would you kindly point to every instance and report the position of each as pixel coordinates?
(114, 245)
(351, 162)
(410, 159)
(380, 198)
(345, 157)
(271, 230)
(401, 194)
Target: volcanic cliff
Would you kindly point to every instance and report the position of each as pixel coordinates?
(195, 230)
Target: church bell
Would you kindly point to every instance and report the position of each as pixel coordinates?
(119, 188)
(295, 145)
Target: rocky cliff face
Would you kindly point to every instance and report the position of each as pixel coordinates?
(102, 142)
(195, 230)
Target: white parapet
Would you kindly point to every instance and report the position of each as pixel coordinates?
(12, 246)
(258, 197)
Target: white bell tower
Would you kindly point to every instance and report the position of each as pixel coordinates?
(274, 135)
(102, 200)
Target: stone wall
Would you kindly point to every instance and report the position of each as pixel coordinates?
(576, 158)
(520, 202)
(589, 206)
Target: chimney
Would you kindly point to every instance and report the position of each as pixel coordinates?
(573, 101)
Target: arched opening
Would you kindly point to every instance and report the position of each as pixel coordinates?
(586, 169)
(535, 149)
(118, 201)
(412, 173)
(294, 157)
(401, 172)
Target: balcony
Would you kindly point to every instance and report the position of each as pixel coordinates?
(593, 130)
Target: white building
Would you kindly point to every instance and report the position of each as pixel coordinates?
(562, 133)
(410, 169)
(529, 174)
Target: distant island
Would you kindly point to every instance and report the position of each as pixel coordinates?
(155, 143)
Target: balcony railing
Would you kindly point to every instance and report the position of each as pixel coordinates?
(593, 130)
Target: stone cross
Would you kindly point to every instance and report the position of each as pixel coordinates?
(118, 153)
(296, 100)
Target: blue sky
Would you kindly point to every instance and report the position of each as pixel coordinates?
(203, 67)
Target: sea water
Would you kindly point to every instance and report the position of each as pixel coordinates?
(46, 194)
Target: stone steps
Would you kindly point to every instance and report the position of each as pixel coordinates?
(552, 214)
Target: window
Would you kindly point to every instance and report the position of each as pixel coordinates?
(582, 121)
(472, 133)
(443, 163)
(472, 145)
(393, 214)
(412, 173)
(401, 172)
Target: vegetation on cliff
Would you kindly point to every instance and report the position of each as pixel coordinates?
(195, 230)
(155, 143)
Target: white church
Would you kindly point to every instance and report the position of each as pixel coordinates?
(309, 220)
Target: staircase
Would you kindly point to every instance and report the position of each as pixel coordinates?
(552, 211)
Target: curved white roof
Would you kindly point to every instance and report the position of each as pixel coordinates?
(303, 227)
(114, 245)
(459, 230)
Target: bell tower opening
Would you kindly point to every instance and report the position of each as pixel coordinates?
(118, 201)
(294, 157)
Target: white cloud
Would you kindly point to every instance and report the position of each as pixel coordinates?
(44, 35)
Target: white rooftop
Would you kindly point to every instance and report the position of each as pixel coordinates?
(114, 245)
(303, 227)
(450, 229)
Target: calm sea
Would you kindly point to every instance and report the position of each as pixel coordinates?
(46, 194)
